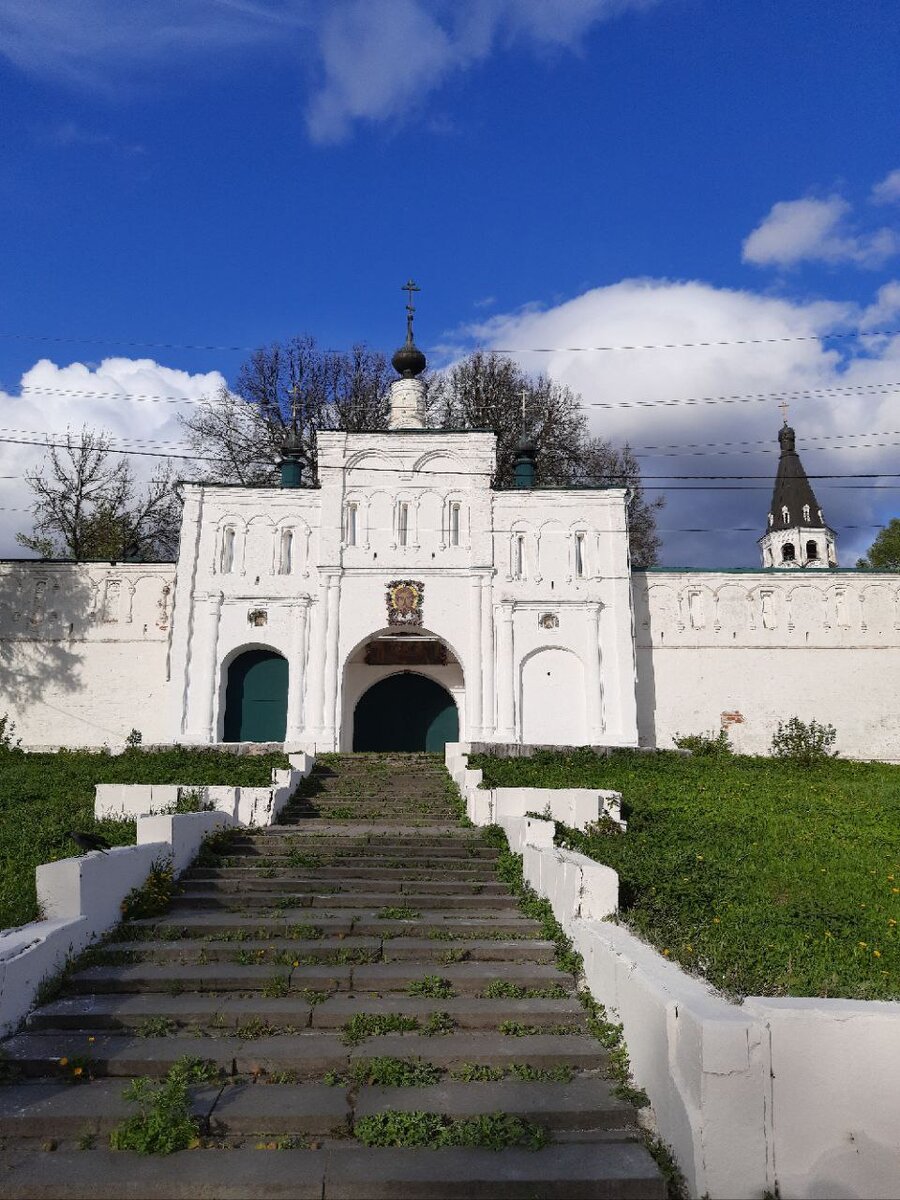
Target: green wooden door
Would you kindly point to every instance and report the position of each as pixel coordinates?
(405, 712)
(256, 698)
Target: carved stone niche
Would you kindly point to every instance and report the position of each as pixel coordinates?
(406, 652)
(257, 617)
(548, 620)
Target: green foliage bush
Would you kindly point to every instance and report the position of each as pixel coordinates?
(163, 1123)
(44, 796)
(763, 879)
(705, 745)
(154, 895)
(804, 743)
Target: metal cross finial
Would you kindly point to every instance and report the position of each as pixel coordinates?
(296, 402)
(784, 410)
(524, 395)
(410, 287)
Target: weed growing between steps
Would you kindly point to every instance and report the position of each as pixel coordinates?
(163, 1122)
(366, 1025)
(215, 847)
(491, 1131)
(504, 989)
(397, 913)
(433, 987)
(154, 895)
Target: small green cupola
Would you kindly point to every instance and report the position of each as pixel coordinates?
(293, 459)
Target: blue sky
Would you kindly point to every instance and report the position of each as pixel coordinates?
(591, 172)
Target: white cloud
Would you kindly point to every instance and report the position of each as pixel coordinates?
(52, 398)
(370, 60)
(637, 312)
(887, 190)
(811, 230)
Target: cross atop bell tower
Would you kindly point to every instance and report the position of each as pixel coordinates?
(408, 392)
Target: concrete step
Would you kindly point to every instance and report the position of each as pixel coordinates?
(222, 1014)
(210, 977)
(337, 869)
(587, 1102)
(302, 881)
(605, 1171)
(429, 924)
(484, 950)
(326, 949)
(465, 977)
(44, 1108)
(467, 1012)
(309, 1055)
(416, 900)
(452, 1050)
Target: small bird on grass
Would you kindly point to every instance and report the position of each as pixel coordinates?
(90, 841)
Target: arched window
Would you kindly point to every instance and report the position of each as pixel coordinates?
(352, 523)
(454, 523)
(286, 552)
(787, 552)
(403, 523)
(785, 514)
(771, 520)
(518, 563)
(580, 570)
(812, 550)
(806, 512)
(226, 560)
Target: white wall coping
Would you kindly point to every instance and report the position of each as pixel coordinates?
(81, 897)
(576, 807)
(788, 1095)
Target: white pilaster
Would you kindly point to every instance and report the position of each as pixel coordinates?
(330, 688)
(202, 681)
(297, 669)
(474, 673)
(506, 716)
(592, 676)
(489, 700)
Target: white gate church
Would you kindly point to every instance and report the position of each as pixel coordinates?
(404, 603)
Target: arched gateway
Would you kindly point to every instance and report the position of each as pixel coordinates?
(256, 698)
(405, 712)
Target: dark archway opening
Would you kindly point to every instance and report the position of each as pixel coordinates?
(405, 712)
(256, 698)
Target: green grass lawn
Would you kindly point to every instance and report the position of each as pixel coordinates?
(44, 796)
(764, 877)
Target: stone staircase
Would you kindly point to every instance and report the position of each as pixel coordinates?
(319, 965)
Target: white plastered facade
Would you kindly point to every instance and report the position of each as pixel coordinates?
(549, 636)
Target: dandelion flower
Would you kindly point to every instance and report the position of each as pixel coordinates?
(876, 954)
(666, 953)
(715, 920)
(863, 944)
(77, 1070)
(63, 1062)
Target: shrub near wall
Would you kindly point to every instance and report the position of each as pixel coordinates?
(44, 796)
(765, 878)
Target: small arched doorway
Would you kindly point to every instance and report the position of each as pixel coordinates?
(405, 712)
(256, 698)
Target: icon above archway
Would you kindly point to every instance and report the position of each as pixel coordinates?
(404, 602)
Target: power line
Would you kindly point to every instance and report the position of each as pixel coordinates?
(602, 349)
(875, 387)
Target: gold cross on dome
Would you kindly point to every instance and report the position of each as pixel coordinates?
(784, 410)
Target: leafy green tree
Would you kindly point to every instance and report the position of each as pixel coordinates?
(884, 553)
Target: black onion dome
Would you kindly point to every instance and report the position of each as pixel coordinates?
(292, 443)
(792, 490)
(409, 361)
(525, 447)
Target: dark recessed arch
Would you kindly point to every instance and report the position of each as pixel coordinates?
(405, 711)
(256, 694)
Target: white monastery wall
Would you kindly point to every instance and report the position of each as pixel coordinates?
(745, 649)
(84, 650)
